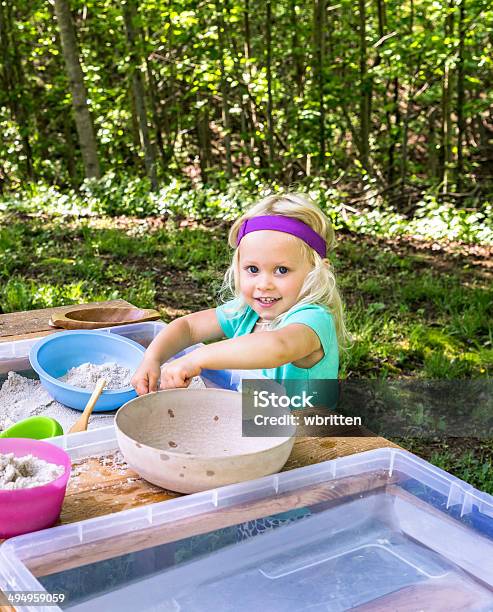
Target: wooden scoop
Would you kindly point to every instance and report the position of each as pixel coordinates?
(82, 423)
(103, 316)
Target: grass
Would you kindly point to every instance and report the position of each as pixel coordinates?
(410, 314)
(468, 459)
(413, 311)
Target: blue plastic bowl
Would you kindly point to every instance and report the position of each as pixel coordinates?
(54, 355)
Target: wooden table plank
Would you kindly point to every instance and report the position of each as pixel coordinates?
(102, 485)
(34, 323)
(307, 451)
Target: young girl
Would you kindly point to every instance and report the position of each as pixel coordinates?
(286, 318)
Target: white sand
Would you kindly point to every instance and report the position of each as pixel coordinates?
(26, 472)
(86, 376)
(22, 397)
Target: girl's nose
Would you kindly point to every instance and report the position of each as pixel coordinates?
(264, 281)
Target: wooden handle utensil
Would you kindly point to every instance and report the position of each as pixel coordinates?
(82, 423)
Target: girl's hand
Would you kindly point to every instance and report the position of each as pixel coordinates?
(146, 377)
(179, 373)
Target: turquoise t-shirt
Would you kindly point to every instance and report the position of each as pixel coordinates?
(316, 317)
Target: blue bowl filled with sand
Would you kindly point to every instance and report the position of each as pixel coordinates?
(69, 363)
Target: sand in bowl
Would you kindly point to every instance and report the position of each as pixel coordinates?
(26, 472)
(87, 375)
(22, 397)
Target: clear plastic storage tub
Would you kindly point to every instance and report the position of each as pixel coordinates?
(14, 355)
(381, 530)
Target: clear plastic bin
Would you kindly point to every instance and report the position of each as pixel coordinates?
(15, 355)
(381, 530)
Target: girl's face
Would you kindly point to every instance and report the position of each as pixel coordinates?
(272, 272)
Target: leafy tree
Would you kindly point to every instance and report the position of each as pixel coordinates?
(382, 97)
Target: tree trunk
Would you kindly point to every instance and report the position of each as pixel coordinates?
(382, 18)
(14, 84)
(135, 126)
(129, 12)
(224, 94)
(251, 109)
(270, 133)
(365, 90)
(405, 138)
(69, 148)
(319, 39)
(204, 138)
(155, 115)
(168, 91)
(446, 107)
(394, 131)
(432, 142)
(247, 52)
(247, 47)
(299, 69)
(446, 125)
(391, 99)
(461, 125)
(83, 121)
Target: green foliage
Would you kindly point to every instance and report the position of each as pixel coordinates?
(474, 469)
(16, 295)
(404, 316)
(121, 195)
(432, 219)
(204, 72)
(117, 195)
(143, 293)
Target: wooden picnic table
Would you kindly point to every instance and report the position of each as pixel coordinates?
(98, 490)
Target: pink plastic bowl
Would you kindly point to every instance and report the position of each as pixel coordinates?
(26, 510)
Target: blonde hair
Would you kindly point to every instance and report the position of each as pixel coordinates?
(320, 285)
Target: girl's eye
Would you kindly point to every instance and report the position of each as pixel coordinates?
(252, 269)
(282, 270)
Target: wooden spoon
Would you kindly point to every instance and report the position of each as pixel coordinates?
(82, 423)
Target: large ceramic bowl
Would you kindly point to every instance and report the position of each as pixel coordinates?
(53, 356)
(190, 440)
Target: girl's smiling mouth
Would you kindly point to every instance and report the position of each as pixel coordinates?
(266, 302)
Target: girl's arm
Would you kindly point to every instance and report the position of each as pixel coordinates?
(269, 349)
(178, 335)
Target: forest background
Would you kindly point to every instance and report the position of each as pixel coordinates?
(132, 133)
(394, 94)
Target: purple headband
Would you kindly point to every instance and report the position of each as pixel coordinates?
(288, 225)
